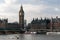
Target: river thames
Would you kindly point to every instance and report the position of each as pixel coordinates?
(29, 37)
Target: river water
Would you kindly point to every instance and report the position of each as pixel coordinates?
(29, 37)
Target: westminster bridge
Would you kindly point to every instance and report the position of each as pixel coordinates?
(17, 31)
(10, 30)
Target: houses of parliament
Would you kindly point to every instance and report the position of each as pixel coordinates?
(35, 25)
(13, 27)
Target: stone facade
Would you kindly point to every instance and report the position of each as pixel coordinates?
(39, 24)
(3, 23)
(21, 17)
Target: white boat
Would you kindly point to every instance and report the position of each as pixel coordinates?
(33, 32)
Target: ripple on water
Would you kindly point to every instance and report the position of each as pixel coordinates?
(29, 37)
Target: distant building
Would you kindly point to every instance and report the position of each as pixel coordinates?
(25, 24)
(56, 24)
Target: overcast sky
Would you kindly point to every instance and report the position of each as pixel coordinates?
(32, 8)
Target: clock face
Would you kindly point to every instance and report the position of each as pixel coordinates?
(20, 13)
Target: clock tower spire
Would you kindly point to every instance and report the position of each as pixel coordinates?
(21, 17)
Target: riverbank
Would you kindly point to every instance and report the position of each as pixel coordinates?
(53, 33)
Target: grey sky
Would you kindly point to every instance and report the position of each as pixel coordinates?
(32, 8)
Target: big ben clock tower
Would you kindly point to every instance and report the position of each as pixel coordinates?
(21, 17)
